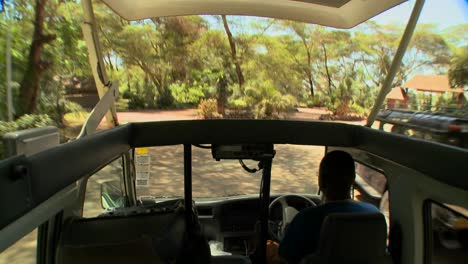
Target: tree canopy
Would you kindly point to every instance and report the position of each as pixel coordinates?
(265, 65)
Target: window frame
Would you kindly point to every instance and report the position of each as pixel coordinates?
(428, 235)
(123, 181)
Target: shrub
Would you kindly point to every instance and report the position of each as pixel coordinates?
(55, 105)
(267, 101)
(126, 94)
(164, 100)
(208, 109)
(273, 107)
(6, 127)
(184, 95)
(136, 102)
(285, 103)
(265, 109)
(339, 108)
(238, 104)
(319, 100)
(359, 110)
(33, 121)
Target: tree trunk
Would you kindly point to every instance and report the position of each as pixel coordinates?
(330, 84)
(311, 84)
(309, 62)
(29, 86)
(221, 95)
(235, 59)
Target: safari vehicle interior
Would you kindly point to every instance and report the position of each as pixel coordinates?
(137, 228)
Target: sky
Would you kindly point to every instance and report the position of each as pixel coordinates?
(443, 13)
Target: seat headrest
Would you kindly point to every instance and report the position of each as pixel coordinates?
(353, 236)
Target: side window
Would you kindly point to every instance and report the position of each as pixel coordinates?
(371, 187)
(160, 172)
(446, 233)
(103, 189)
(23, 251)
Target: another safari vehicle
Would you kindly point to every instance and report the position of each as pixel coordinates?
(48, 190)
(445, 128)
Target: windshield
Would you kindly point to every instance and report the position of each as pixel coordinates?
(294, 170)
(233, 67)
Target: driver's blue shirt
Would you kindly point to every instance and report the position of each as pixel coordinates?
(303, 234)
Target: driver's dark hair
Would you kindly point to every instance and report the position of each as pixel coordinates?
(337, 174)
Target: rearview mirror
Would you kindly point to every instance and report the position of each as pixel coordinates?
(112, 195)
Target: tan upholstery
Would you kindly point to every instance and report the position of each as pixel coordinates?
(155, 237)
(134, 251)
(352, 238)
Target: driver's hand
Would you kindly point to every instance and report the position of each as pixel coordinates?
(272, 256)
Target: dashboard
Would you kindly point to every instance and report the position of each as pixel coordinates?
(233, 221)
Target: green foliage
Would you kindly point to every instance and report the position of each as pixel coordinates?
(318, 100)
(446, 100)
(208, 109)
(266, 100)
(179, 61)
(273, 107)
(185, 95)
(238, 103)
(359, 110)
(53, 103)
(458, 72)
(136, 102)
(25, 122)
(32, 121)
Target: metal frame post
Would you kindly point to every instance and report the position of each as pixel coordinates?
(405, 40)
(264, 206)
(91, 36)
(188, 187)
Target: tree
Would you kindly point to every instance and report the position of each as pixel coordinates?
(307, 37)
(458, 71)
(234, 56)
(160, 48)
(29, 87)
(278, 61)
(427, 51)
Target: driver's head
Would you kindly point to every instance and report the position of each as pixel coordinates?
(336, 175)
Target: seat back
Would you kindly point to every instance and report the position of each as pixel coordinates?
(352, 238)
(151, 237)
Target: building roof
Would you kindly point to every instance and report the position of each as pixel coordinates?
(431, 83)
(333, 13)
(396, 94)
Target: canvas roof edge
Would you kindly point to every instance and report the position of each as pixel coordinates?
(333, 13)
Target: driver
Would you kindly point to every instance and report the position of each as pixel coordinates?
(336, 175)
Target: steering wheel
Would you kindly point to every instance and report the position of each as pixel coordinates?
(277, 229)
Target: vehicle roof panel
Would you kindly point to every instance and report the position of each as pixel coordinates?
(333, 13)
